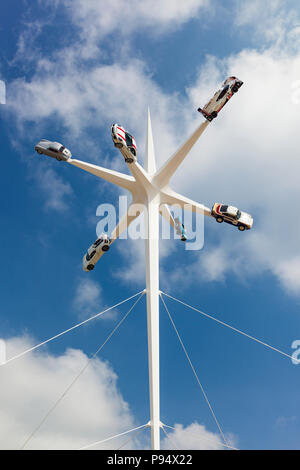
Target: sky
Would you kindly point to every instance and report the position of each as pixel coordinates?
(71, 69)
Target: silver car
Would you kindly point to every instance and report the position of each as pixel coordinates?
(95, 251)
(53, 149)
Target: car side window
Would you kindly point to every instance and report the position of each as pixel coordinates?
(223, 92)
(128, 139)
(97, 242)
(89, 257)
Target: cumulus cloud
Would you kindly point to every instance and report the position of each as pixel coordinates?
(56, 191)
(194, 437)
(88, 300)
(87, 296)
(97, 96)
(96, 21)
(92, 410)
(274, 22)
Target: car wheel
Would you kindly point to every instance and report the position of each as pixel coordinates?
(39, 152)
(235, 89)
(129, 160)
(105, 248)
(241, 228)
(58, 159)
(90, 267)
(118, 145)
(219, 220)
(214, 114)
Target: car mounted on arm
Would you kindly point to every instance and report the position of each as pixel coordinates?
(220, 98)
(232, 215)
(180, 230)
(95, 252)
(53, 149)
(125, 142)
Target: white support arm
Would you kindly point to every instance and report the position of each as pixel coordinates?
(170, 197)
(120, 179)
(140, 175)
(149, 161)
(165, 173)
(132, 213)
(166, 214)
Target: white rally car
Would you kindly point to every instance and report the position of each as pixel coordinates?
(232, 215)
(95, 251)
(125, 142)
(220, 98)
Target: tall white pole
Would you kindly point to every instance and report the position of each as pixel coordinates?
(152, 287)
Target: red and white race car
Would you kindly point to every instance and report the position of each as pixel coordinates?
(220, 98)
(125, 142)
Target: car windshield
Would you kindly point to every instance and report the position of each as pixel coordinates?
(128, 138)
(62, 148)
(238, 214)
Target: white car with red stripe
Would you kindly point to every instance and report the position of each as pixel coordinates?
(125, 142)
(232, 215)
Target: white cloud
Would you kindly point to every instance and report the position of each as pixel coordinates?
(92, 410)
(274, 22)
(194, 437)
(96, 21)
(88, 299)
(214, 264)
(289, 273)
(57, 192)
(81, 100)
(87, 295)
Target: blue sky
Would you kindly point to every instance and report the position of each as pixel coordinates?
(72, 69)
